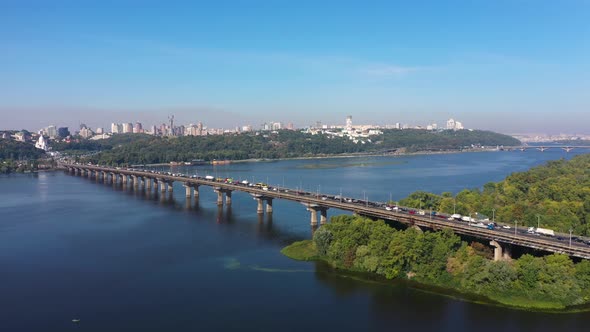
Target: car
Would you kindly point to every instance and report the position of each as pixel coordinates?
(505, 226)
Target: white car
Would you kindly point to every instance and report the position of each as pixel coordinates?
(505, 226)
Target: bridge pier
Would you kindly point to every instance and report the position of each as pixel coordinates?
(314, 216)
(228, 197)
(148, 184)
(268, 205)
(501, 252)
(259, 208)
(162, 185)
(188, 190)
(219, 197)
(323, 215)
(196, 191)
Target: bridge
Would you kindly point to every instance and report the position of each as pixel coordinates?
(501, 239)
(566, 148)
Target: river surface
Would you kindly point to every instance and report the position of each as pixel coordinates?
(121, 260)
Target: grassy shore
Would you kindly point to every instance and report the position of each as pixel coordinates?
(302, 251)
(306, 251)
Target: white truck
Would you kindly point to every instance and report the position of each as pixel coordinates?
(541, 231)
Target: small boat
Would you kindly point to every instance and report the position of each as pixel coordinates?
(75, 320)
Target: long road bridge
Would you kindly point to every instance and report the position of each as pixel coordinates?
(543, 148)
(501, 239)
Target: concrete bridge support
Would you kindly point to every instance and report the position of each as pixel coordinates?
(228, 197)
(148, 184)
(501, 251)
(314, 215)
(188, 190)
(170, 186)
(323, 215)
(162, 186)
(259, 208)
(196, 191)
(269, 205)
(219, 197)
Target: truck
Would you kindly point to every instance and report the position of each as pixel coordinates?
(541, 231)
(209, 177)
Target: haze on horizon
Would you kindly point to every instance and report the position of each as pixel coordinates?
(507, 66)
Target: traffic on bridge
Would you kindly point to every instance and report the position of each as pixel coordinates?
(501, 236)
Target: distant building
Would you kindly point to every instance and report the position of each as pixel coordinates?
(86, 132)
(51, 131)
(127, 128)
(63, 132)
(349, 123)
(115, 128)
(138, 128)
(41, 143)
(454, 125)
(99, 131)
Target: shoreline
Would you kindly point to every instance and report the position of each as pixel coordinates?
(305, 251)
(347, 155)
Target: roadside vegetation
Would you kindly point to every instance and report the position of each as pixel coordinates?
(555, 195)
(442, 259)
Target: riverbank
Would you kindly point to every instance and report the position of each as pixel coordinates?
(333, 156)
(445, 266)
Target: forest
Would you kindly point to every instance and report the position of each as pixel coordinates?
(555, 195)
(18, 156)
(443, 259)
(144, 149)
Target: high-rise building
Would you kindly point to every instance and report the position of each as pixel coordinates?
(154, 130)
(451, 124)
(86, 132)
(115, 128)
(349, 123)
(454, 125)
(138, 128)
(51, 131)
(99, 131)
(127, 128)
(63, 132)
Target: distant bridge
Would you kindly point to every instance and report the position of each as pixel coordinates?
(501, 239)
(542, 148)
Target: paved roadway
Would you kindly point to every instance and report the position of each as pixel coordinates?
(369, 209)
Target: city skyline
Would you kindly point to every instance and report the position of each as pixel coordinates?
(510, 67)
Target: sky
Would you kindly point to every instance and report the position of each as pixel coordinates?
(510, 66)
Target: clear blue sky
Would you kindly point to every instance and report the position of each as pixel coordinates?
(510, 66)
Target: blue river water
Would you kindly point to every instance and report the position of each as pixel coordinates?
(124, 260)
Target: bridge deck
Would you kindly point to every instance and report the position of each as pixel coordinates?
(499, 235)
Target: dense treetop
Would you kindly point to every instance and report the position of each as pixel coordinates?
(14, 150)
(557, 194)
(145, 149)
(441, 258)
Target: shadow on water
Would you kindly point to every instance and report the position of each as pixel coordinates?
(221, 214)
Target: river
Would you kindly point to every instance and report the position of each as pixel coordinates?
(119, 260)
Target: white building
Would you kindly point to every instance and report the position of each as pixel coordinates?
(41, 143)
(349, 123)
(115, 128)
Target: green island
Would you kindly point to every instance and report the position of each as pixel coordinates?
(442, 259)
(128, 149)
